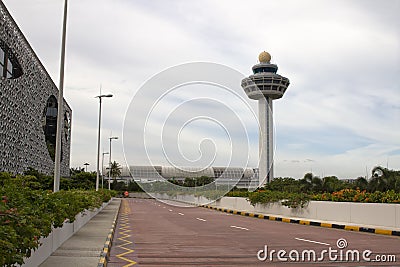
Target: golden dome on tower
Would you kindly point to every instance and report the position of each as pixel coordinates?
(264, 57)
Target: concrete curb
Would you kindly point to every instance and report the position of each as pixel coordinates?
(105, 254)
(308, 222)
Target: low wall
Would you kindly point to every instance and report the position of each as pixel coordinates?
(58, 236)
(374, 214)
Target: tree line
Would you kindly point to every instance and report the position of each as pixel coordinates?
(382, 180)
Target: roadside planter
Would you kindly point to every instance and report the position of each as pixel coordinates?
(374, 214)
(59, 235)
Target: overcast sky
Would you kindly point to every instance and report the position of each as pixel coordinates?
(340, 115)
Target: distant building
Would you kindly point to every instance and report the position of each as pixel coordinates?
(241, 177)
(28, 106)
(350, 181)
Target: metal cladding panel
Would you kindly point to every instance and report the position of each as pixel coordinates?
(186, 172)
(145, 172)
(22, 104)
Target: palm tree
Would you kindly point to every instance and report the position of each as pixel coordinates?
(379, 181)
(310, 183)
(361, 183)
(316, 184)
(306, 182)
(115, 169)
(330, 184)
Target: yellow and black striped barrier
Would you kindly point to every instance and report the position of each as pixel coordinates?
(105, 254)
(308, 222)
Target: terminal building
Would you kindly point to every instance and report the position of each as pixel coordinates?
(28, 106)
(232, 176)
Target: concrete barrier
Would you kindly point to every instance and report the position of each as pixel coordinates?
(371, 214)
(58, 236)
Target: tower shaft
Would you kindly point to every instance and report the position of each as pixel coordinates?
(266, 140)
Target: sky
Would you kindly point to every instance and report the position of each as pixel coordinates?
(340, 115)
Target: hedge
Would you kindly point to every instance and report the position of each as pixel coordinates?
(27, 214)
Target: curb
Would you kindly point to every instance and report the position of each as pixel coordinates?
(105, 254)
(308, 222)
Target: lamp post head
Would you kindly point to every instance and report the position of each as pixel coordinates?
(114, 137)
(105, 153)
(101, 96)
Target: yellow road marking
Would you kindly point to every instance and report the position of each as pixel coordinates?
(124, 230)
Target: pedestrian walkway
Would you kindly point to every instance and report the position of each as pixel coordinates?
(85, 246)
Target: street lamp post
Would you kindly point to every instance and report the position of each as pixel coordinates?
(102, 168)
(98, 140)
(109, 171)
(60, 115)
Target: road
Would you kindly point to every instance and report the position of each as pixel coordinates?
(152, 233)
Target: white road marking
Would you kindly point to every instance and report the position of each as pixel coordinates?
(200, 219)
(169, 210)
(181, 213)
(238, 227)
(311, 241)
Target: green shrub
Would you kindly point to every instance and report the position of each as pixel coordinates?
(292, 200)
(28, 213)
(352, 195)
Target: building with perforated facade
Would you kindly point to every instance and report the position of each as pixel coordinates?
(28, 106)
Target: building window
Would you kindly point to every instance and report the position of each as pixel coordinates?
(50, 125)
(9, 66)
(67, 125)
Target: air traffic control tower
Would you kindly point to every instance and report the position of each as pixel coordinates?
(265, 85)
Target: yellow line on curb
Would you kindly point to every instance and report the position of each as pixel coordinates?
(352, 228)
(383, 232)
(107, 245)
(327, 225)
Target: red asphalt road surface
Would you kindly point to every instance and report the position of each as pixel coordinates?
(152, 233)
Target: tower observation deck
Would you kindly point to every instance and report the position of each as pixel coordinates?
(265, 85)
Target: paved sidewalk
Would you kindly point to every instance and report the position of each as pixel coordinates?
(85, 246)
